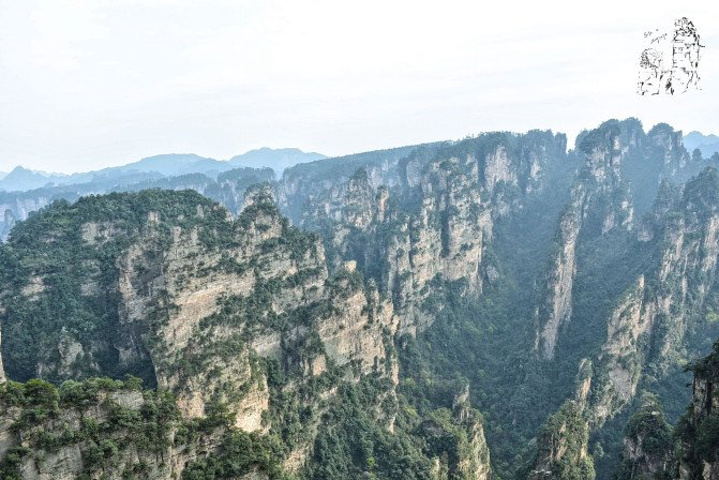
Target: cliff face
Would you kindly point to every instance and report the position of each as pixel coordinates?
(239, 320)
(86, 432)
(437, 220)
(690, 451)
(2, 370)
(623, 170)
(648, 328)
(698, 430)
(599, 204)
(558, 309)
(562, 447)
(648, 444)
(662, 266)
(463, 431)
(474, 459)
(18, 209)
(445, 239)
(104, 428)
(426, 219)
(199, 319)
(492, 253)
(268, 288)
(300, 185)
(621, 358)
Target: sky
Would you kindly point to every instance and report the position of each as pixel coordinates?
(97, 83)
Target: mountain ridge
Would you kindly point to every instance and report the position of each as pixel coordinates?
(494, 307)
(171, 164)
(707, 144)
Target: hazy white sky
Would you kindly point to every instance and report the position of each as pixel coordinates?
(88, 84)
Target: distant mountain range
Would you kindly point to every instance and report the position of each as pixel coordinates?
(277, 159)
(22, 179)
(166, 165)
(494, 307)
(707, 144)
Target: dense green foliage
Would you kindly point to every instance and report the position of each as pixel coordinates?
(238, 454)
(698, 430)
(649, 444)
(479, 348)
(228, 188)
(491, 340)
(487, 341)
(562, 444)
(357, 446)
(47, 255)
(42, 415)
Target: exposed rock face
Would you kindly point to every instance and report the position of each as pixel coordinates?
(463, 434)
(210, 322)
(228, 188)
(2, 370)
(9, 222)
(183, 308)
(427, 217)
(301, 184)
(688, 262)
(648, 445)
(622, 356)
(562, 447)
(445, 240)
(91, 440)
(697, 430)
(687, 250)
(418, 223)
(647, 326)
(19, 208)
(564, 269)
(266, 325)
(475, 462)
(600, 203)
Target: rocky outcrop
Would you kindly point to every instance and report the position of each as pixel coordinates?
(211, 305)
(648, 325)
(622, 356)
(698, 430)
(648, 444)
(690, 451)
(457, 444)
(96, 429)
(445, 241)
(474, 462)
(562, 447)
(688, 262)
(219, 310)
(559, 304)
(623, 166)
(17, 208)
(2, 370)
(425, 220)
(599, 204)
(8, 222)
(449, 225)
(302, 186)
